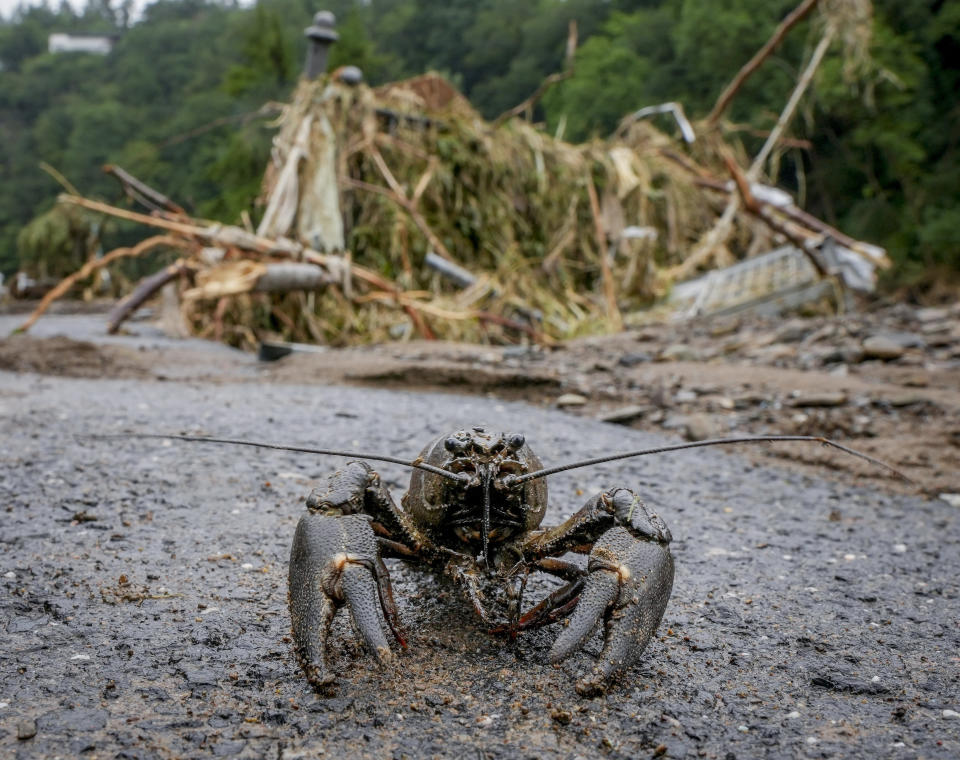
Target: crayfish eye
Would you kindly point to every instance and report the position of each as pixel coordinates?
(454, 445)
(515, 441)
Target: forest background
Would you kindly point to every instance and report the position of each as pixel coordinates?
(179, 101)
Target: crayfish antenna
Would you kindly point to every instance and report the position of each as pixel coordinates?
(517, 480)
(460, 477)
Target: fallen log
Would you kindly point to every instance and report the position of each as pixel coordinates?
(236, 277)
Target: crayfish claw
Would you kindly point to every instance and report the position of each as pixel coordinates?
(334, 562)
(628, 585)
(601, 591)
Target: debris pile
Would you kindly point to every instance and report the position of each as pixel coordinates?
(398, 212)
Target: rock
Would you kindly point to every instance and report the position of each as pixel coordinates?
(772, 353)
(882, 347)
(841, 681)
(684, 396)
(699, 427)
(746, 400)
(714, 402)
(906, 399)
(723, 327)
(931, 315)
(847, 354)
(571, 399)
(633, 359)
(793, 331)
(625, 414)
(822, 398)
(953, 499)
(679, 352)
(26, 729)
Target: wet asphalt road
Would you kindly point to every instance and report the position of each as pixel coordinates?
(144, 595)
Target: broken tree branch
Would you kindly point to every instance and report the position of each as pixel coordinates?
(793, 18)
(144, 290)
(141, 192)
(788, 110)
(751, 204)
(92, 266)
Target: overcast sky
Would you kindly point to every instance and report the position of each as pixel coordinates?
(7, 6)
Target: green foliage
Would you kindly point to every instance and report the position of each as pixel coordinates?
(55, 243)
(267, 53)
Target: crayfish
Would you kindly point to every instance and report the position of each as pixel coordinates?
(473, 513)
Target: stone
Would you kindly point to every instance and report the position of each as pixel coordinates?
(906, 399)
(625, 414)
(821, 398)
(793, 331)
(699, 427)
(26, 729)
(571, 399)
(931, 315)
(842, 681)
(882, 347)
(953, 499)
(634, 358)
(679, 352)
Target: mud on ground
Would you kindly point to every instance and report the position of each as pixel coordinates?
(144, 584)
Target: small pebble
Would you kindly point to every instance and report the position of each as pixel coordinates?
(875, 679)
(11, 575)
(80, 657)
(849, 557)
(951, 714)
(953, 499)
(484, 721)
(571, 399)
(246, 566)
(26, 729)
(742, 729)
(899, 548)
(812, 740)
(793, 714)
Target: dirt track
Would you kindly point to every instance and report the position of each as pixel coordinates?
(144, 588)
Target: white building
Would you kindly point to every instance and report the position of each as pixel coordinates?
(80, 43)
